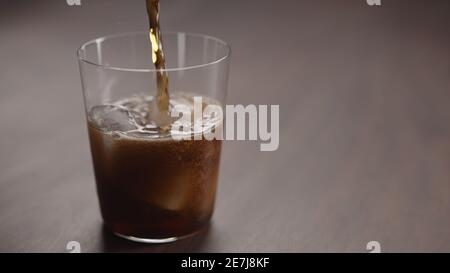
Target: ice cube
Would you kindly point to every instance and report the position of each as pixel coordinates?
(175, 194)
(113, 118)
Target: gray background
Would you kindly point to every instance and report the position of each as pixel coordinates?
(365, 124)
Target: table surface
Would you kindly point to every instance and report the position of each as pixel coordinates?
(364, 125)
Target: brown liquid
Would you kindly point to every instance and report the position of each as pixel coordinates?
(150, 185)
(162, 79)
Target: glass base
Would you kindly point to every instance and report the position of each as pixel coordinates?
(146, 240)
(156, 241)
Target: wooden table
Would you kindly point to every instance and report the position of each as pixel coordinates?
(364, 95)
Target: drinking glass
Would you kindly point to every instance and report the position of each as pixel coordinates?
(152, 189)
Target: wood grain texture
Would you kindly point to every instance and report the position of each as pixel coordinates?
(364, 95)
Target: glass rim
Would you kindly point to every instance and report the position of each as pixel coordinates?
(133, 33)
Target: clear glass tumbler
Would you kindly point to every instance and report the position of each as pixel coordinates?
(151, 187)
